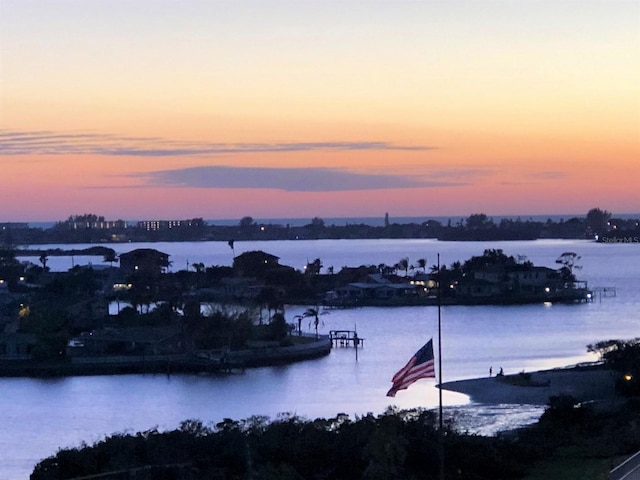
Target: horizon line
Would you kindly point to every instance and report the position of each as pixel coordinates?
(284, 219)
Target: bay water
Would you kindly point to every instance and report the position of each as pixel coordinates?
(38, 416)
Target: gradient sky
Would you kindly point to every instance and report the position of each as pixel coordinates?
(165, 109)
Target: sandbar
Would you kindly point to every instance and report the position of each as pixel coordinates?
(586, 384)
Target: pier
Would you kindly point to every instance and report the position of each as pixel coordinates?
(602, 292)
(345, 338)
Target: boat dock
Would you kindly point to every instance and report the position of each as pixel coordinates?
(345, 338)
(602, 292)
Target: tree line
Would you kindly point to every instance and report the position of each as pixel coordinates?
(597, 223)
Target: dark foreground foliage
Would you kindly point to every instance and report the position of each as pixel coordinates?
(622, 356)
(395, 445)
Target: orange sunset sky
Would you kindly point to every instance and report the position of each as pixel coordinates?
(158, 109)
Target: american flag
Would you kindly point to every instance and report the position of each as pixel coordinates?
(421, 365)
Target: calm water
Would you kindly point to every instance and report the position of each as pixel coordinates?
(40, 416)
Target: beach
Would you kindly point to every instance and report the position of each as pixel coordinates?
(586, 384)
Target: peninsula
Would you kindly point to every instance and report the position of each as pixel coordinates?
(58, 323)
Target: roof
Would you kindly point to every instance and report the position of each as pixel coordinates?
(143, 252)
(257, 254)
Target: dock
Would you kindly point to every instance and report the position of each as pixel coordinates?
(345, 338)
(602, 292)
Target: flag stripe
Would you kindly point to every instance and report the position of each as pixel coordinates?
(421, 365)
(403, 371)
(425, 371)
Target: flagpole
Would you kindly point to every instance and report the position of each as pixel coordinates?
(441, 429)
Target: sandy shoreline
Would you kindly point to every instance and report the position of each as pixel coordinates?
(583, 383)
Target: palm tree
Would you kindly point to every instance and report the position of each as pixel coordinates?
(43, 260)
(198, 267)
(313, 312)
(403, 264)
(269, 297)
(422, 263)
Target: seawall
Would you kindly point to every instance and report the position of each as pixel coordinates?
(168, 364)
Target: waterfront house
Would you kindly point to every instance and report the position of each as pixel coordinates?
(144, 261)
(374, 289)
(255, 263)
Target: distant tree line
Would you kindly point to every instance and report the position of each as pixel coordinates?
(91, 228)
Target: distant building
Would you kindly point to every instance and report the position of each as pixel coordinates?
(160, 225)
(144, 260)
(98, 225)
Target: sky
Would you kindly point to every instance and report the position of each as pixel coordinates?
(158, 109)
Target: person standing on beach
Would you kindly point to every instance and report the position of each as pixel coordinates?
(490, 371)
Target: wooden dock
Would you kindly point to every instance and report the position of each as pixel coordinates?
(345, 338)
